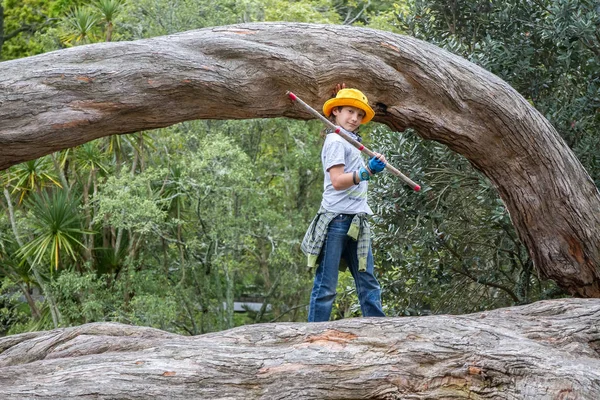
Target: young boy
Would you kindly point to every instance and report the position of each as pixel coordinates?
(340, 231)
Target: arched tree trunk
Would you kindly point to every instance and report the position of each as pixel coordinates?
(68, 97)
(547, 350)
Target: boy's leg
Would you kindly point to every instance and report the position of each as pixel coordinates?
(367, 287)
(326, 277)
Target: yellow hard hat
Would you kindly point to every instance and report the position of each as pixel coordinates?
(352, 98)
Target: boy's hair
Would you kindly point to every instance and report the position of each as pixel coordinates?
(331, 116)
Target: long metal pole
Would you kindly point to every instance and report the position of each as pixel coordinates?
(343, 133)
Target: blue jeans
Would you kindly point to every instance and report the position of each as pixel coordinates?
(337, 245)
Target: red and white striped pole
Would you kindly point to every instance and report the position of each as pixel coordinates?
(343, 133)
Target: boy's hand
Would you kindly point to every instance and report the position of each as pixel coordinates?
(377, 163)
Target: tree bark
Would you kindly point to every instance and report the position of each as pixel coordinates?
(546, 350)
(65, 98)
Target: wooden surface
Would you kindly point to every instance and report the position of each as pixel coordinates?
(548, 350)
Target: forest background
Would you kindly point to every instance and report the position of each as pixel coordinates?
(168, 228)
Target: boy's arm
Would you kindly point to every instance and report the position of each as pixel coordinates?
(341, 180)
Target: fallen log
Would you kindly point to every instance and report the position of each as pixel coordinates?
(546, 350)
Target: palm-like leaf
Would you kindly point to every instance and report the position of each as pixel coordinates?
(141, 141)
(80, 22)
(33, 175)
(121, 146)
(5, 178)
(89, 156)
(56, 228)
(109, 9)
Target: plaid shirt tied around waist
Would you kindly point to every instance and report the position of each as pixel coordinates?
(317, 231)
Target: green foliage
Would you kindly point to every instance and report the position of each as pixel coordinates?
(109, 9)
(549, 51)
(55, 228)
(322, 11)
(90, 157)
(31, 176)
(22, 18)
(451, 248)
(88, 297)
(131, 202)
(13, 311)
(346, 303)
(148, 18)
(83, 297)
(80, 26)
(241, 210)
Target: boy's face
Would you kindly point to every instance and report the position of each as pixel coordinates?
(348, 117)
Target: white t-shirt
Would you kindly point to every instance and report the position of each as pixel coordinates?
(337, 151)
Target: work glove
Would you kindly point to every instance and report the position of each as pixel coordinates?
(376, 165)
